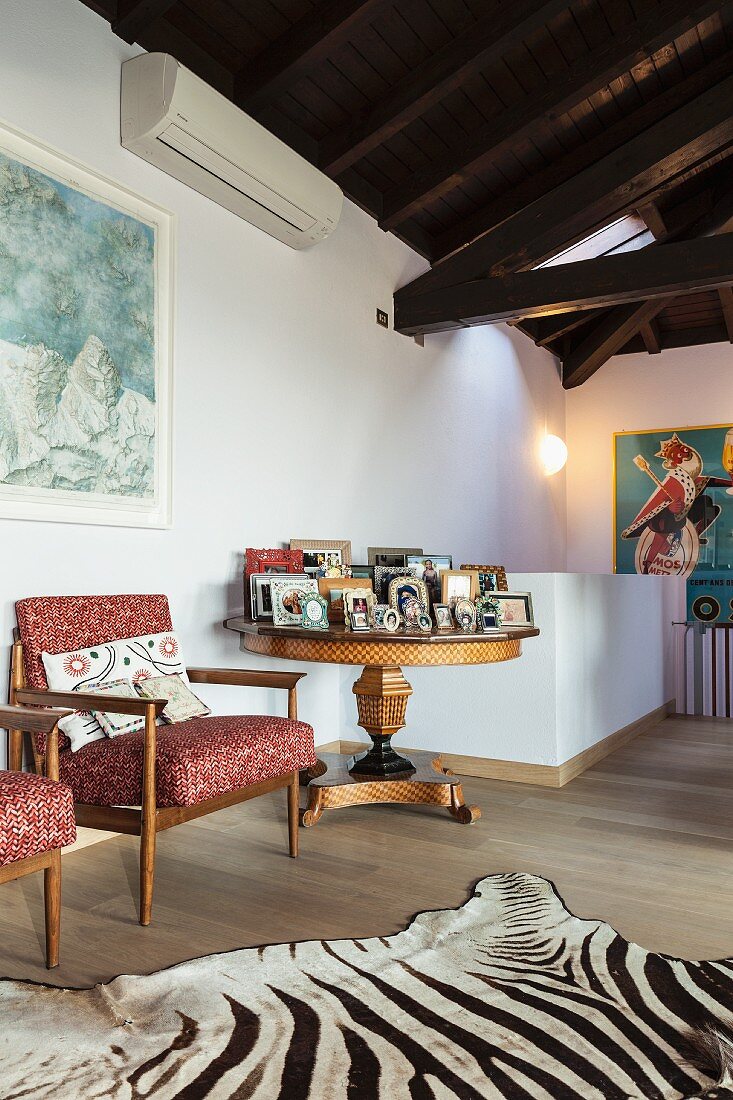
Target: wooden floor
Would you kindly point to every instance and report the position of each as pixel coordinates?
(643, 840)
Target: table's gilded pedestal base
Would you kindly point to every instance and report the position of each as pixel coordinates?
(428, 783)
(381, 774)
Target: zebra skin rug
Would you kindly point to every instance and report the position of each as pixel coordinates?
(509, 996)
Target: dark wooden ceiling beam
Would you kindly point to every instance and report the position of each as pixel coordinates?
(603, 341)
(611, 334)
(636, 173)
(591, 72)
(306, 44)
(653, 219)
(660, 271)
(507, 204)
(478, 48)
(133, 16)
(650, 335)
(726, 303)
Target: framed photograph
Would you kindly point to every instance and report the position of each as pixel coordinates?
(359, 599)
(488, 605)
(288, 599)
(261, 596)
(379, 612)
(458, 584)
(515, 608)
(491, 578)
(391, 620)
(406, 591)
(268, 561)
(425, 622)
(391, 555)
(323, 557)
(365, 572)
(428, 567)
(488, 621)
(443, 616)
(315, 612)
(86, 329)
(333, 589)
(359, 620)
(383, 574)
(465, 613)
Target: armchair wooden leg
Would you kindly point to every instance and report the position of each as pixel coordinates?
(293, 812)
(52, 903)
(147, 870)
(148, 824)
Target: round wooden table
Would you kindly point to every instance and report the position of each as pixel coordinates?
(381, 774)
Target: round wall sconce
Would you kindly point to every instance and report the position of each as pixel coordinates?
(554, 454)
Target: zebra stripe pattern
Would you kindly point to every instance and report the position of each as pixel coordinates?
(509, 996)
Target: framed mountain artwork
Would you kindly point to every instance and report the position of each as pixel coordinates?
(86, 289)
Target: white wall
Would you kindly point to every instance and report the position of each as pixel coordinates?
(597, 666)
(295, 414)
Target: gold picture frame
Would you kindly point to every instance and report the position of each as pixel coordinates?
(378, 555)
(311, 547)
(496, 570)
(352, 594)
(326, 585)
(445, 585)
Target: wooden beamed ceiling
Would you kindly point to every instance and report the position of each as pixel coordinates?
(493, 136)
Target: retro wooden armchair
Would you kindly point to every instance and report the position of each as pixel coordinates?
(36, 820)
(173, 773)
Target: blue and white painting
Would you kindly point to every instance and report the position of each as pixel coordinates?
(78, 331)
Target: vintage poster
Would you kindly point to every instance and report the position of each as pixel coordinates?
(673, 501)
(85, 305)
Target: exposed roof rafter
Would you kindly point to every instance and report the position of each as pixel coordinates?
(593, 71)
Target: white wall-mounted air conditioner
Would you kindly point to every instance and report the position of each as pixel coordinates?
(179, 123)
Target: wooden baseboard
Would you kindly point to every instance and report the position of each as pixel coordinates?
(544, 775)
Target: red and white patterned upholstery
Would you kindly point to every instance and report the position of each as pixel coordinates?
(36, 815)
(56, 624)
(195, 760)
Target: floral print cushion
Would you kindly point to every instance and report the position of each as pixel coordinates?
(130, 659)
(182, 703)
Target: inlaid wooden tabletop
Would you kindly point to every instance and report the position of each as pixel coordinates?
(340, 645)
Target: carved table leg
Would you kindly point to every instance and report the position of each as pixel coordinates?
(315, 807)
(381, 699)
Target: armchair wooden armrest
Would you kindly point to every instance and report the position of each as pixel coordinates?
(30, 721)
(37, 721)
(245, 677)
(82, 700)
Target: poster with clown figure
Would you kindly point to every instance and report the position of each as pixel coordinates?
(673, 501)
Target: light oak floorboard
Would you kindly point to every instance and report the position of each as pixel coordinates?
(644, 840)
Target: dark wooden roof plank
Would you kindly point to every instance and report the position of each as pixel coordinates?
(588, 74)
(134, 16)
(480, 46)
(626, 178)
(299, 49)
(649, 331)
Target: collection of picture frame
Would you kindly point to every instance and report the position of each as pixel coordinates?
(314, 584)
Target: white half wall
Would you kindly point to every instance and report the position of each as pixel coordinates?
(597, 666)
(295, 415)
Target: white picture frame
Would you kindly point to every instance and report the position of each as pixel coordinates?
(152, 508)
(280, 589)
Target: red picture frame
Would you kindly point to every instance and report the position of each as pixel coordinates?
(265, 561)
